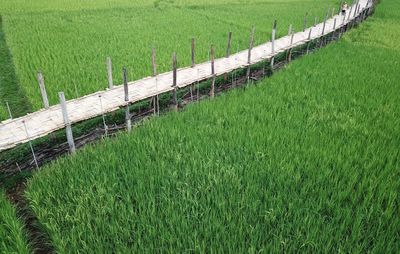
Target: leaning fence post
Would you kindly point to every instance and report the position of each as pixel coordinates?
(212, 92)
(174, 82)
(109, 73)
(9, 110)
(228, 48)
(273, 37)
(126, 92)
(67, 122)
(30, 144)
(43, 90)
(249, 53)
(193, 52)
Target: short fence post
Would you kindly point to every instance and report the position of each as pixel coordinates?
(128, 120)
(290, 29)
(193, 52)
(273, 37)
(212, 91)
(174, 82)
(30, 144)
(315, 21)
(103, 116)
(70, 137)
(249, 53)
(43, 90)
(9, 110)
(109, 73)
(305, 22)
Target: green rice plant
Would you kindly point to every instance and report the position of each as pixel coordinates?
(12, 235)
(307, 161)
(70, 40)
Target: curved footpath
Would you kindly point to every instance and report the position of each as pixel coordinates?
(45, 121)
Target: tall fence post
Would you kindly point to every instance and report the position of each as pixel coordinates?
(174, 82)
(251, 44)
(109, 73)
(154, 63)
(193, 52)
(212, 53)
(273, 37)
(128, 120)
(43, 90)
(228, 48)
(30, 144)
(67, 122)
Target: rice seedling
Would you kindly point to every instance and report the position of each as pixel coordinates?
(12, 235)
(69, 41)
(306, 161)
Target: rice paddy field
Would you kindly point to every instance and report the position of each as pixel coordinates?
(306, 161)
(70, 40)
(12, 235)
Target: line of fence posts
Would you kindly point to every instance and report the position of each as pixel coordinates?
(70, 139)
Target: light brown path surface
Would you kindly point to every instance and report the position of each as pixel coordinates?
(43, 122)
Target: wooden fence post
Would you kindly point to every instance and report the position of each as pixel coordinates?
(305, 22)
(315, 21)
(70, 137)
(212, 91)
(290, 29)
(273, 37)
(154, 63)
(9, 110)
(30, 144)
(174, 82)
(289, 53)
(103, 116)
(228, 48)
(43, 90)
(340, 7)
(193, 52)
(128, 120)
(309, 41)
(109, 73)
(251, 44)
(333, 12)
(323, 26)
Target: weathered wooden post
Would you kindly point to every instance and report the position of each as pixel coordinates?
(272, 61)
(228, 51)
(228, 48)
(289, 53)
(193, 52)
(309, 41)
(67, 122)
(315, 21)
(103, 116)
(43, 90)
(251, 44)
(9, 110)
(323, 26)
(154, 63)
(109, 73)
(30, 144)
(212, 91)
(128, 120)
(174, 82)
(305, 22)
(273, 37)
(290, 29)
